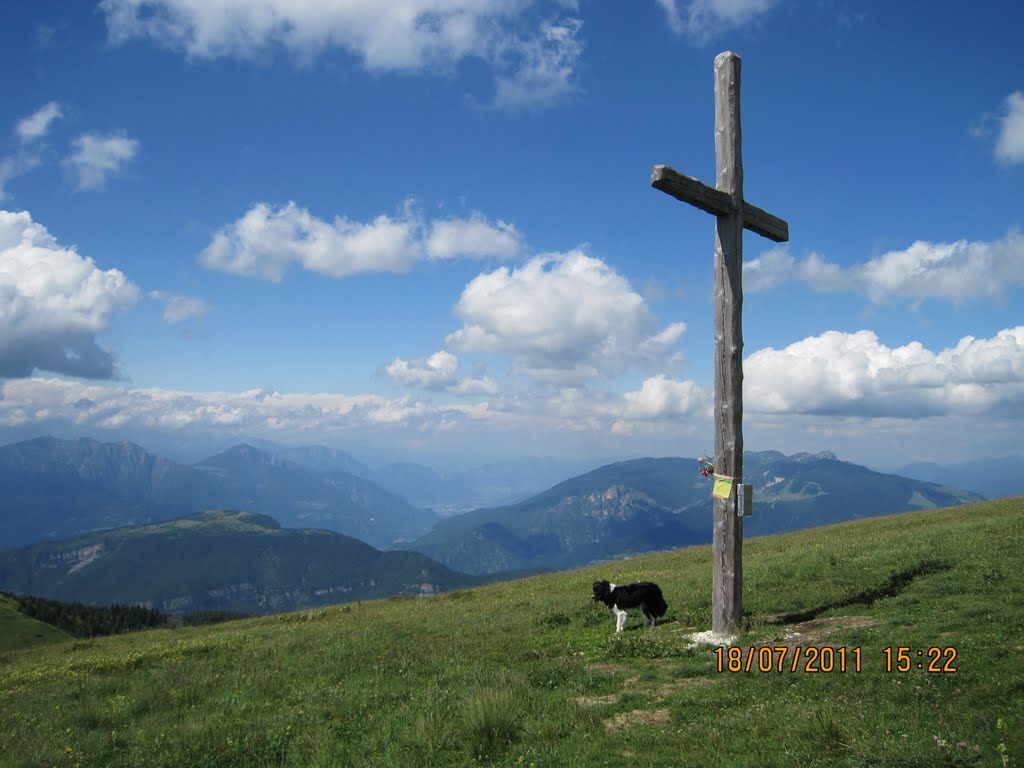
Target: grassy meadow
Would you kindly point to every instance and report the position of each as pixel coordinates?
(530, 673)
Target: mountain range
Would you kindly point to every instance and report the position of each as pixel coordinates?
(649, 504)
(59, 488)
(991, 477)
(220, 561)
(58, 491)
(448, 493)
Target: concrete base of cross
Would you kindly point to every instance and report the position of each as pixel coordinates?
(710, 638)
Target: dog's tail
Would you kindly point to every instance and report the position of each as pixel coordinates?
(657, 605)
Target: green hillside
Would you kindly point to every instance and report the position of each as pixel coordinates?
(219, 561)
(531, 672)
(20, 631)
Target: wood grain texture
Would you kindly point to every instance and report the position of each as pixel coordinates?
(718, 203)
(727, 536)
(732, 216)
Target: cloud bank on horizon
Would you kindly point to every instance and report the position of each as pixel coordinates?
(471, 308)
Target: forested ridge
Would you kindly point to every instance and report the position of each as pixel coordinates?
(84, 621)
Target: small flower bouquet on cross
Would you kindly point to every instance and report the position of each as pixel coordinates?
(707, 466)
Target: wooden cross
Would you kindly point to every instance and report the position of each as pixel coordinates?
(725, 201)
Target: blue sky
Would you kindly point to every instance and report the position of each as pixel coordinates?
(423, 229)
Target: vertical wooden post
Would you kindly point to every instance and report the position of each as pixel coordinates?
(727, 539)
(733, 215)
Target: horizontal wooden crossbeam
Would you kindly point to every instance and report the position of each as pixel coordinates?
(717, 202)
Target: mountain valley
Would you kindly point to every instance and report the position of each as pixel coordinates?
(103, 522)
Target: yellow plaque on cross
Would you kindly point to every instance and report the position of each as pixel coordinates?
(723, 488)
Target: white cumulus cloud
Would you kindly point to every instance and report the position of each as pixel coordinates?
(661, 406)
(178, 309)
(562, 318)
(543, 67)
(532, 54)
(16, 165)
(770, 269)
(38, 123)
(94, 158)
(53, 303)
(439, 373)
(29, 155)
(703, 19)
(474, 236)
(960, 271)
(854, 374)
(661, 397)
(266, 241)
(1010, 143)
(434, 372)
(395, 34)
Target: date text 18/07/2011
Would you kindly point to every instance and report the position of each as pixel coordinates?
(826, 658)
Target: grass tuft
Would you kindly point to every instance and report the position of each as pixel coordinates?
(491, 723)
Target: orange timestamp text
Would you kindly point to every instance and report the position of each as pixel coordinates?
(903, 658)
(827, 659)
(784, 658)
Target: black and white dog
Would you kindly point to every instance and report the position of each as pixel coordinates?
(643, 594)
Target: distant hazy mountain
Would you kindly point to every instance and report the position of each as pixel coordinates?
(55, 488)
(501, 482)
(993, 478)
(35, 506)
(648, 504)
(324, 459)
(58, 488)
(233, 561)
(296, 496)
(124, 470)
(447, 492)
(805, 491)
(512, 480)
